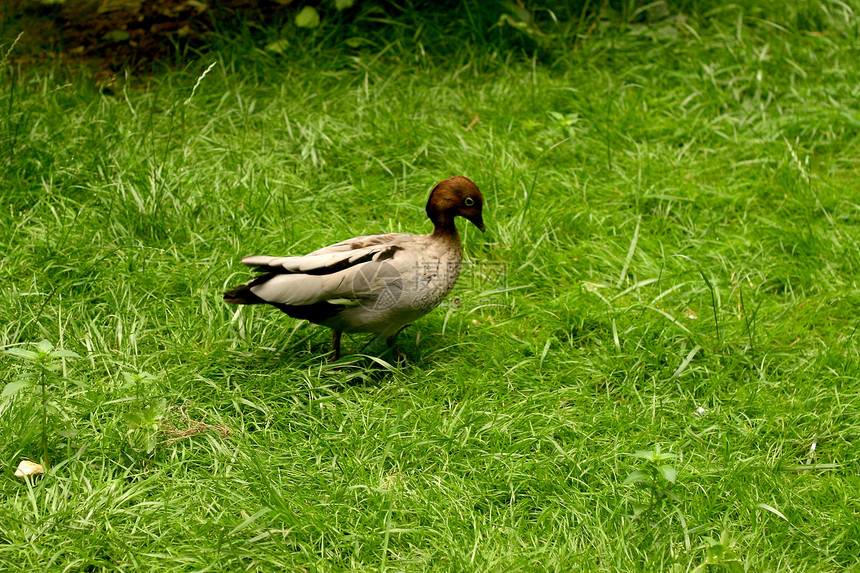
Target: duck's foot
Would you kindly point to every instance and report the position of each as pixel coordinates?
(399, 357)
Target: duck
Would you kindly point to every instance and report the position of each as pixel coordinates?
(371, 283)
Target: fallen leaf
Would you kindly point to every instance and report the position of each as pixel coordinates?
(27, 468)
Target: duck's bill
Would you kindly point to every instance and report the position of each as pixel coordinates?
(478, 221)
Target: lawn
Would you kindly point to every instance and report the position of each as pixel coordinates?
(650, 362)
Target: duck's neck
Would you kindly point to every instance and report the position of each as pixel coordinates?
(444, 228)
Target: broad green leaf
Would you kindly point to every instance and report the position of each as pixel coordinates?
(308, 17)
(151, 441)
(65, 354)
(668, 472)
(343, 4)
(13, 388)
(715, 553)
(21, 353)
(636, 476)
(44, 347)
(133, 419)
(654, 456)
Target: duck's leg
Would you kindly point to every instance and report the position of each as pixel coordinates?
(399, 357)
(335, 346)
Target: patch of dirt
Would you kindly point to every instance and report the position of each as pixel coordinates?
(114, 35)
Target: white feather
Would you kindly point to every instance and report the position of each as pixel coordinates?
(313, 262)
(301, 289)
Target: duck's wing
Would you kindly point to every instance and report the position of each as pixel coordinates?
(352, 270)
(363, 242)
(332, 258)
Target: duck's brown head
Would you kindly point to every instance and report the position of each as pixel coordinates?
(456, 196)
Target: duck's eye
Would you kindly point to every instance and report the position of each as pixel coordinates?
(468, 201)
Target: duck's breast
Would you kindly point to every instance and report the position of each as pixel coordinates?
(432, 272)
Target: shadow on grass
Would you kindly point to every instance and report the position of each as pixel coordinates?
(364, 360)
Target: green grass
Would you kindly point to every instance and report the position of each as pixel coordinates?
(671, 262)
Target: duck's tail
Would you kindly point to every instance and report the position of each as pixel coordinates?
(242, 295)
(316, 312)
